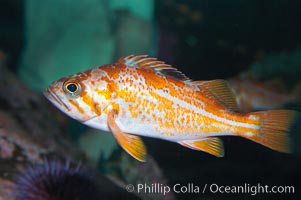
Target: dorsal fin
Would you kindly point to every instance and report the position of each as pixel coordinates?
(142, 61)
(220, 90)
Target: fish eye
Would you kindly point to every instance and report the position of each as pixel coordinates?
(72, 89)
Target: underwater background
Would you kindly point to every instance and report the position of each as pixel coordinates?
(254, 44)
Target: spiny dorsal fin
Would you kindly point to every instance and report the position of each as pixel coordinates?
(142, 61)
(220, 90)
(212, 145)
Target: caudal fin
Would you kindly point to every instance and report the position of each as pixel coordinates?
(274, 129)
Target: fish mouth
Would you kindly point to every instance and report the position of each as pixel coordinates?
(50, 95)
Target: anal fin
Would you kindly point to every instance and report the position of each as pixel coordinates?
(132, 144)
(212, 145)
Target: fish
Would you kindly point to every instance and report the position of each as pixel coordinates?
(142, 96)
(252, 94)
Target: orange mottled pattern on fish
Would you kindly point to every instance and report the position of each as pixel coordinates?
(141, 96)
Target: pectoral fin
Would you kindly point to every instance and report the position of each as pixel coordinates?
(132, 144)
(212, 145)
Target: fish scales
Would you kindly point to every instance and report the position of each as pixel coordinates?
(170, 106)
(140, 96)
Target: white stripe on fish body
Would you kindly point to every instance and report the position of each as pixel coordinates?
(150, 127)
(203, 112)
(142, 91)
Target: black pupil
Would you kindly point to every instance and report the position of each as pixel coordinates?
(72, 87)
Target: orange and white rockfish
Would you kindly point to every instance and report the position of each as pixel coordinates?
(141, 96)
(253, 95)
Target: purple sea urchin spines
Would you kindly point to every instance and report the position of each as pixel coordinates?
(56, 180)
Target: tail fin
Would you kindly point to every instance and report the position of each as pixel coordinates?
(273, 132)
